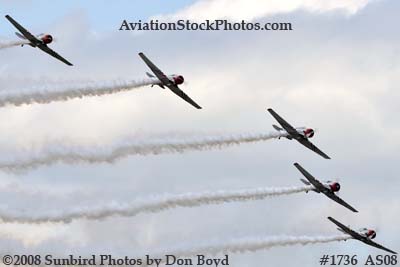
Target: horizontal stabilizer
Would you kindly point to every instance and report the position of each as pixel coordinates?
(150, 75)
(305, 182)
(20, 36)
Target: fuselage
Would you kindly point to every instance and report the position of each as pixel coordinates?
(173, 78)
(329, 186)
(40, 40)
(364, 232)
(303, 131)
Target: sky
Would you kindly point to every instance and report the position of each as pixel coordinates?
(337, 71)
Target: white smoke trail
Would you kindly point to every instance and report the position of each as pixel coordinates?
(155, 204)
(11, 44)
(72, 155)
(58, 245)
(244, 245)
(44, 95)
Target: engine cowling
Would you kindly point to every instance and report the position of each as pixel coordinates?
(178, 79)
(309, 133)
(47, 39)
(335, 187)
(371, 234)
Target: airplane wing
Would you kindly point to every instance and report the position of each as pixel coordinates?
(164, 79)
(317, 184)
(24, 31)
(289, 128)
(159, 74)
(340, 201)
(346, 229)
(182, 95)
(376, 245)
(311, 146)
(52, 53)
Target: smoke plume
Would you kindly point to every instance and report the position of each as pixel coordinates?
(57, 153)
(154, 204)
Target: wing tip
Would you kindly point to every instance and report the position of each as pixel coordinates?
(197, 106)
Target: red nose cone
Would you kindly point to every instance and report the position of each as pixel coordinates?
(309, 133)
(47, 39)
(371, 234)
(335, 187)
(179, 79)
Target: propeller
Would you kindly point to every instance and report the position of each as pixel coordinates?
(184, 85)
(339, 181)
(335, 181)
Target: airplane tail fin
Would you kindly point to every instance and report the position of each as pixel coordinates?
(152, 76)
(307, 183)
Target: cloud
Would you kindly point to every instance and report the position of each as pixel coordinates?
(334, 73)
(253, 9)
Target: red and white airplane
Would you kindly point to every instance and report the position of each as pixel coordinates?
(327, 188)
(40, 41)
(364, 235)
(170, 81)
(300, 134)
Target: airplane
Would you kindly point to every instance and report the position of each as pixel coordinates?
(300, 134)
(40, 41)
(170, 81)
(364, 235)
(328, 188)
